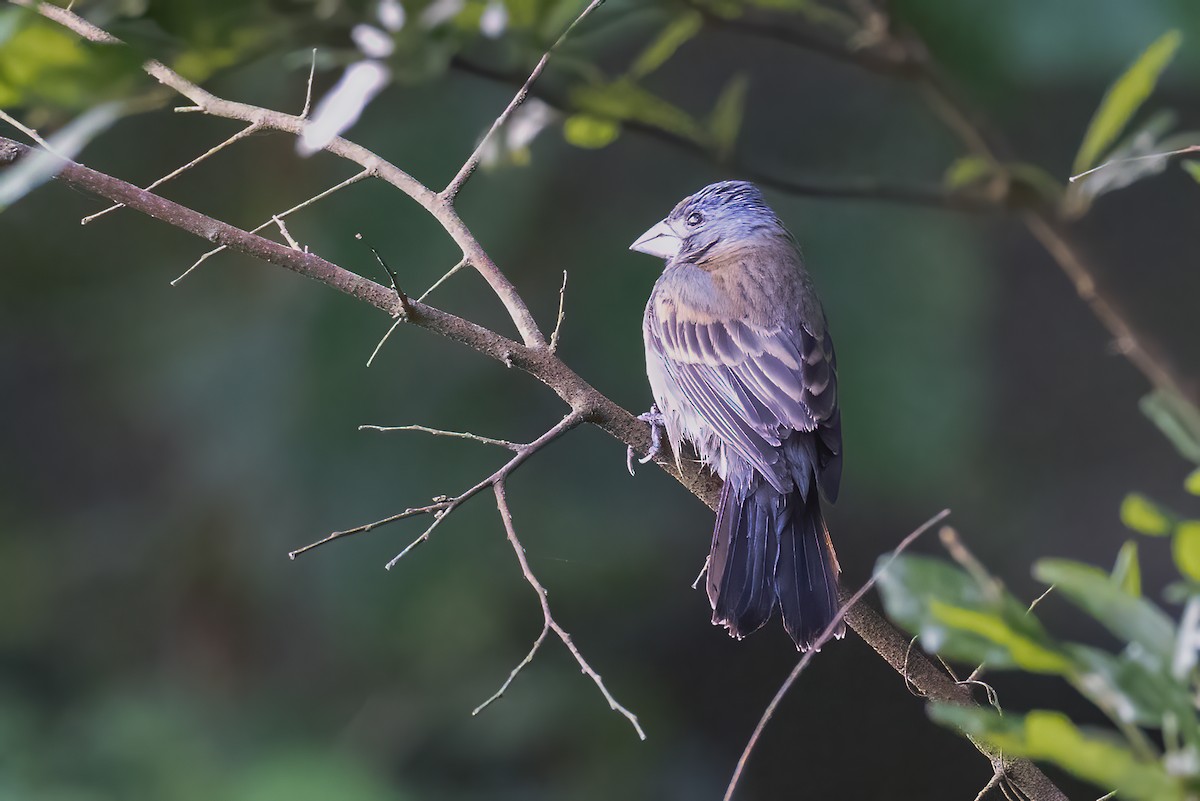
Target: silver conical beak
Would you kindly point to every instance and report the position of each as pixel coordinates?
(659, 241)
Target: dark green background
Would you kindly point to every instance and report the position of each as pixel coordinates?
(161, 449)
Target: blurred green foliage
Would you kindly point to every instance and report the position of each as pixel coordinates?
(163, 449)
(965, 615)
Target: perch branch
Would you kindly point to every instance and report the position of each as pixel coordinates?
(591, 405)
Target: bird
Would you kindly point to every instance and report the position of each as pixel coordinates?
(741, 366)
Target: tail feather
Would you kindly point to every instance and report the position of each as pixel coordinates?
(741, 564)
(806, 576)
(772, 550)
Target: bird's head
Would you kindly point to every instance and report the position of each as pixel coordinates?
(716, 221)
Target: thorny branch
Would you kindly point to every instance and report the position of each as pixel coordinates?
(532, 355)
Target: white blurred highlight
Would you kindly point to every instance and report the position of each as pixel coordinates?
(342, 106)
(440, 11)
(372, 42)
(391, 15)
(494, 19)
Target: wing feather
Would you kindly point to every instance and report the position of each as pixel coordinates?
(753, 385)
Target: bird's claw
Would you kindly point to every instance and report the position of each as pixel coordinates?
(655, 419)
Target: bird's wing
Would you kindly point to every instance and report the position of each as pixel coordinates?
(754, 385)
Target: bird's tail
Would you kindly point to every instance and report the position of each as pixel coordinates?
(769, 550)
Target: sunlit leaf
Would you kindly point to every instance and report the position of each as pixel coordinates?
(584, 130)
(1096, 757)
(1127, 571)
(1177, 419)
(678, 31)
(41, 62)
(1008, 646)
(959, 619)
(1185, 547)
(1192, 168)
(625, 101)
(1192, 483)
(726, 120)
(1142, 515)
(1129, 617)
(968, 170)
(1124, 98)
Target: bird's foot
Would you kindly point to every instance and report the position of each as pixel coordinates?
(655, 419)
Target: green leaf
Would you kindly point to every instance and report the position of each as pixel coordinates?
(725, 122)
(1127, 571)
(1124, 98)
(1012, 647)
(1192, 483)
(960, 619)
(1185, 547)
(1177, 419)
(584, 130)
(1142, 515)
(1130, 618)
(675, 35)
(968, 170)
(1096, 757)
(625, 101)
(1192, 168)
(1132, 689)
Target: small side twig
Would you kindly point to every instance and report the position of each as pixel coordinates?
(826, 635)
(549, 624)
(461, 264)
(562, 300)
(353, 179)
(308, 93)
(438, 432)
(468, 168)
(253, 127)
(25, 129)
(443, 506)
(287, 235)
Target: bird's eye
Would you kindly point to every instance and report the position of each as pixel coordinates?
(694, 219)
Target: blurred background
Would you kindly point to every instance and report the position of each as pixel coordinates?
(163, 448)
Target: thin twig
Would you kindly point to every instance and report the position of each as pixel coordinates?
(548, 621)
(308, 93)
(834, 626)
(212, 151)
(461, 264)
(464, 173)
(25, 129)
(997, 777)
(353, 179)
(438, 432)
(562, 300)
(1169, 154)
(287, 235)
(443, 506)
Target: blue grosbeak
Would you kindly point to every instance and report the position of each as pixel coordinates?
(741, 366)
